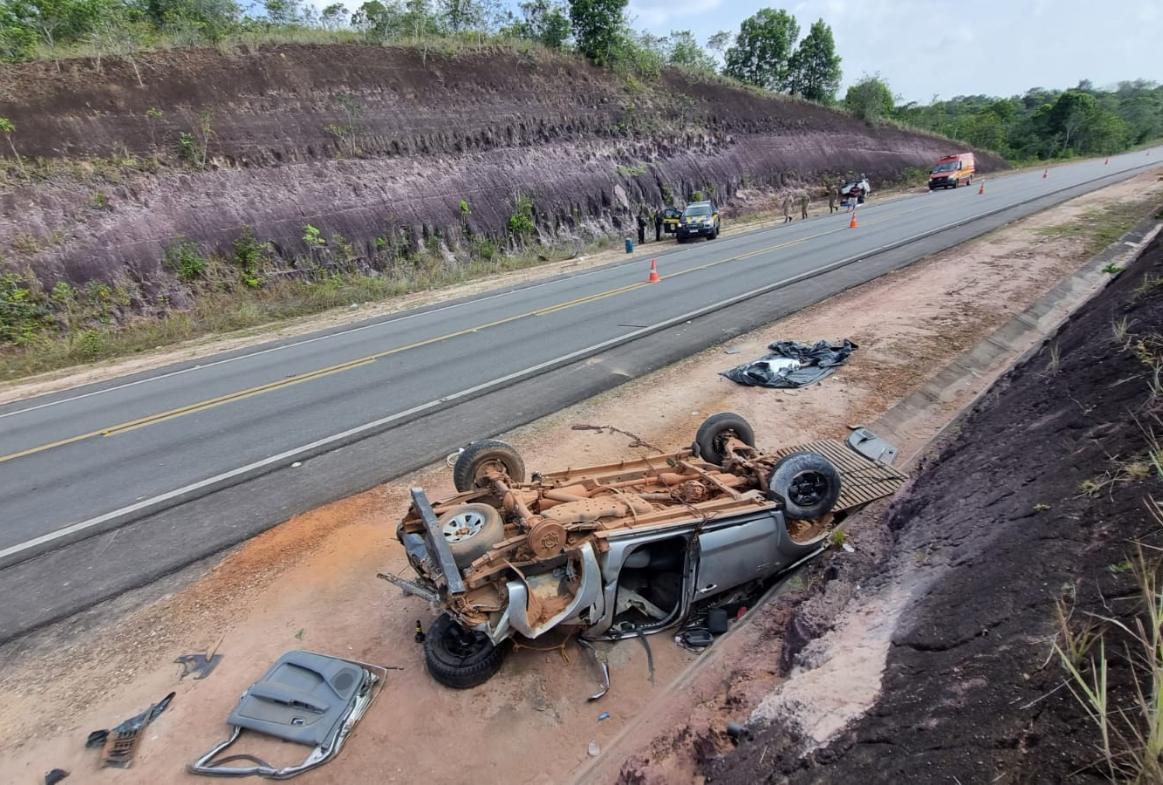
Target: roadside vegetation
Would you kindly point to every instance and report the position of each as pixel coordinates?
(43, 330)
(1097, 229)
(1113, 659)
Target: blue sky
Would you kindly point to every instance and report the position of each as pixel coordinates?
(927, 47)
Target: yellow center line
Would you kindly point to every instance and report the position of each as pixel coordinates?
(371, 358)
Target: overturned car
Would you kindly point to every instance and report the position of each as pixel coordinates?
(621, 549)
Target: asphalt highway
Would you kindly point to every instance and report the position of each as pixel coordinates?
(158, 450)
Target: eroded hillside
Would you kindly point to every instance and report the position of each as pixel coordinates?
(385, 151)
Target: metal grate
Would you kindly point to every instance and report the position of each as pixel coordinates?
(861, 480)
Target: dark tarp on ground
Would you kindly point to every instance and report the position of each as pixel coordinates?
(792, 364)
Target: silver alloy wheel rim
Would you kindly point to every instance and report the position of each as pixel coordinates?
(463, 525)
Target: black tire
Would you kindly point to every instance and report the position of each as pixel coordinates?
(470, 531)
(470, 466)
(807, 484)
(460, 658)
(710, 438)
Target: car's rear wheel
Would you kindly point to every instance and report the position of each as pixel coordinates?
(460, 658)
(806, 483)
(473, 464)
(711, 438)
(470, 531)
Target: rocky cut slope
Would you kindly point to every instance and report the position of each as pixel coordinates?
(383, 150)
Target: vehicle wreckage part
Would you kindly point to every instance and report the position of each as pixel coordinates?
(197, 664)
(605, 669)
(439, 555)
(547, 538)
(410, 587)
(649, 654)
(120, 744)
(872, 446)
(479, 458)
(717, 621)
(305, 698)
(630, 600)
(471, 530)
(460, 658)
(710, 439)
(807, 484)
(522, 596)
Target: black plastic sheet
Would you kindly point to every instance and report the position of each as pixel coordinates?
(792, 364)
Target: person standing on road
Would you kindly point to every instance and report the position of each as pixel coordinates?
(788, 204)
(657, 225)
(805, 200)
(641, 228)
(833, 197)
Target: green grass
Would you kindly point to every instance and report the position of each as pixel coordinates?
(89, 338)
(1098, 229)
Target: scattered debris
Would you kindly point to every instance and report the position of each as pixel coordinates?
(594, 749)
(695, 639)
(717, 621)
(197, 665)
(305, 698)
(737, 731)
(649, 654)
(120, 744)
(419, 632)
(605, 715)
(601, 664)
(638, 441)
(55, 776)
(792, 364)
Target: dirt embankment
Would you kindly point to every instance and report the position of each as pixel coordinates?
(943, 668)
(388, 149)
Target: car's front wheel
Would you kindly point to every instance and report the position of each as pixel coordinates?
(460, 658)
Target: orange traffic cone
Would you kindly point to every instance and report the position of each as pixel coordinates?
(1045, 174)
(852, 224)
(653, 272)
(981, 190)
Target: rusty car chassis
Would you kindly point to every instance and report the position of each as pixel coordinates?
(625, 548)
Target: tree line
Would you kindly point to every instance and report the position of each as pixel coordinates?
(766, 52)
(1039, 124)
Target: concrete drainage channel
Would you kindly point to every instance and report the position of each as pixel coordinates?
(1027, 333)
